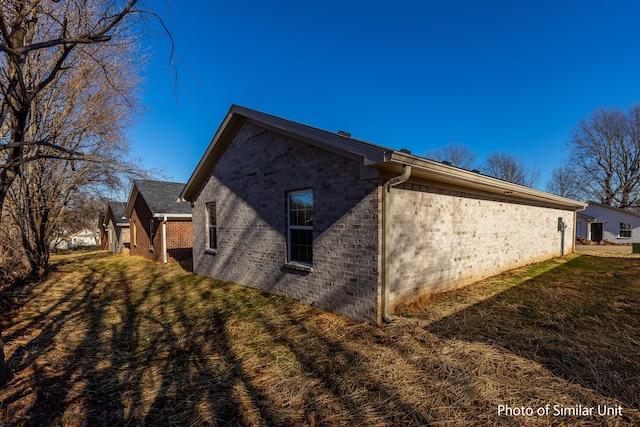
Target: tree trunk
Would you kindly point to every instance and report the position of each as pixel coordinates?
(4, 370)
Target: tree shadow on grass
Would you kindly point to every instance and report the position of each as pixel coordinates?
(115, 348)
(580, 320)
(130, 342)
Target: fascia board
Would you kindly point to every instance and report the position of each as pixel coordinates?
(172, 216)
(128, 210)
(229, 126)
(361, 151)
(436, 171)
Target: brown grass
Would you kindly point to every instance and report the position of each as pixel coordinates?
(116, 340)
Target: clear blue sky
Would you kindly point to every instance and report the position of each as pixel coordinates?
(495, 76)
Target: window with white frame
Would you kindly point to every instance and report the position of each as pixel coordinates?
(300, 226)
(151, 233)
(625, 229)
(212, 227)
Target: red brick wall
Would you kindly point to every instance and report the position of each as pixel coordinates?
(179, 240)
(140, 243)
(104, 238)
(178, 235)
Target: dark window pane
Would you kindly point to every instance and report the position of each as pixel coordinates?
(212, 214)
(301, 245)
(213, 238)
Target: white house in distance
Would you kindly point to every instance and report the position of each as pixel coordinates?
(600, 222)
(84, 237)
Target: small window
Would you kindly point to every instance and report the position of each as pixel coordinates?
(212, 227)
(300, 226)
(625, 229)
(151, 233)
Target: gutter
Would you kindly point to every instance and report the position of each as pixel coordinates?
(164, 217)
(575, 228)
(164, 240)
(386, 224)
(173, 216)
(444, 174)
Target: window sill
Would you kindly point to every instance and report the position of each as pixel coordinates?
(211, 251)
(299, 267)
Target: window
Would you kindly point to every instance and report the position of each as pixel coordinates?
(212, 227)
(300, 226)
(625, 229)
(151, 234)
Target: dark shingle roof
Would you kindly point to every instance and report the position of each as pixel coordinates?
(117, 213)
(369, 156)
(162, 197)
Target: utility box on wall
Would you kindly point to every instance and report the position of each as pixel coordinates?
(561, 224)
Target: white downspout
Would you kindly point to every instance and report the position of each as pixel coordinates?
(164, 240)
(386, 203)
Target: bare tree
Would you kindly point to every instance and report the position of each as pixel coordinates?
(508, 168)
(42, 44)
(456, 154)
(565, 181)
(605, 150)
(50, 37)
(83, 111)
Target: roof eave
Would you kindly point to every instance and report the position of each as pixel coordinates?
(436, 171)
(172, 215)
(128, 210)
(364, 152)
(230, 125)
(613, 208)
(107, 216)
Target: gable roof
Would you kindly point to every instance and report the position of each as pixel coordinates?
(587, 218)
(613, 208)
(162, 198)
(368, 155)
(84, 231)
(115, 210)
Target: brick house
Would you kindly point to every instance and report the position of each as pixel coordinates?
(116, 226)
(104, 236)
(603, 222)
(160, 223)
(356, 228)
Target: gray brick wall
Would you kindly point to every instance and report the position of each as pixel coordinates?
(249, 185)
(445, 239)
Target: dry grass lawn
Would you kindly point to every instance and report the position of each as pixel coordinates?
(115, 340)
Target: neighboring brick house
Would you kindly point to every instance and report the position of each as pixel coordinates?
(104, 236)
(357, 228)
(600, 222)
(116, 225)
(160, 223)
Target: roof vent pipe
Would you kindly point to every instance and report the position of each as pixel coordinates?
(344, 133)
